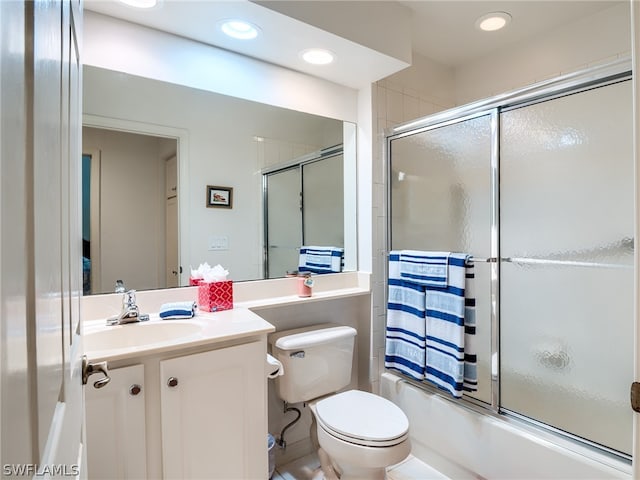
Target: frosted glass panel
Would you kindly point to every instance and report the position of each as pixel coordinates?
(566, 206)
(323, 207)
(284, 221)
(441, 200)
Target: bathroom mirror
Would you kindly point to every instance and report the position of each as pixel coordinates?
(152, 153)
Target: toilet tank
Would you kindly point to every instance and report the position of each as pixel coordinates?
(317, 360)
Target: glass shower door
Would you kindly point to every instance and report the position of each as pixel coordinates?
(441, 200)
(566, 244)
(283, 221)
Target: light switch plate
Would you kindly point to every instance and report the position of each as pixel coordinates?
(219, 242)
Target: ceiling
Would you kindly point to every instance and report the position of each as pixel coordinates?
(444, 30)
(440, 30)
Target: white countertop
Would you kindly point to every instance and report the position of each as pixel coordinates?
(156, 336)
(102, 342)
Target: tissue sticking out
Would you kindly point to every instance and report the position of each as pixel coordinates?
(206, 273)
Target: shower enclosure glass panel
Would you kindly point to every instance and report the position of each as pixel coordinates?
(441, 201)
(304, 205)
(284, 221)
(323, 202)
(566, 246)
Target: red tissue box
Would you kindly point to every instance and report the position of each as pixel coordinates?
(194, 281)
(215, 296)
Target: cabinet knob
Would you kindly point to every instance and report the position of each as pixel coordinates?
(172, 382)
(135, 389)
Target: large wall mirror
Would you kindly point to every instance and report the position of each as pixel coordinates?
(151, 153)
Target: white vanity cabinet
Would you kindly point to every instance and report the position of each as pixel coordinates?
(213, 414)
(194, 413)
(115, 425)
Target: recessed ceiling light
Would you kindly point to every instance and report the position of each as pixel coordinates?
(317, 56)
(493, 21)
(239, 29)
(140, 3)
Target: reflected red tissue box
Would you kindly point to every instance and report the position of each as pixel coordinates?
(215, 296)
(194, 281)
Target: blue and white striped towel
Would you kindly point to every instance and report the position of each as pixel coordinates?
(177, 310)
(405, 332)
(424, 268)
(450, 324)
(321, 259)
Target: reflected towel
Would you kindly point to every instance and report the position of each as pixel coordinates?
(405, 331)
(177, 310)
(321, 259)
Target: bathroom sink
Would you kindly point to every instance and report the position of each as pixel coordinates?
(139, 335)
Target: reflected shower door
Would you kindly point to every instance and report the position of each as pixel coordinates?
(566, 288)
(441, 201)
(323, 202)
(284, 221)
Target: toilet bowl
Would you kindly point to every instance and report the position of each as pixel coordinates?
(359, 434)
(362, 433)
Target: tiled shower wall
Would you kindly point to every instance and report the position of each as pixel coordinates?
(428, 87)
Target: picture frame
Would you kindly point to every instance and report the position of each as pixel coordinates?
(219, 197)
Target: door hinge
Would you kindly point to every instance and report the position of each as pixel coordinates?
(635, 396)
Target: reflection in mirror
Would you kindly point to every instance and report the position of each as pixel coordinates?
(304, 206)
(152, 148)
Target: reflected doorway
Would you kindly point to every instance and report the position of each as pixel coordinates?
(130, 210)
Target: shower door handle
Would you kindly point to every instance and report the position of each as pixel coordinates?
(635, 396)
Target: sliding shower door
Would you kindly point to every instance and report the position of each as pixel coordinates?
(441, 183)
(541, 184)
(304, 205)
(566, 217)
(283, 221)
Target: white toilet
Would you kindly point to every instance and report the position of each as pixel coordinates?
(361, 433)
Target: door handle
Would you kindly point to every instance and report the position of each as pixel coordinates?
(89, 369)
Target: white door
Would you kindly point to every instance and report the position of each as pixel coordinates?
(56, 216)
(172, 274)
(213, 414)
(115, 418)
(40, 287)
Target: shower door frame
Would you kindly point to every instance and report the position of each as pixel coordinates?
(295, 164)
(599, 76)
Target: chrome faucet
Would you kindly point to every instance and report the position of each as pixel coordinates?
(130, 312)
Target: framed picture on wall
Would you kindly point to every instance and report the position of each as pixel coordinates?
(219, 197)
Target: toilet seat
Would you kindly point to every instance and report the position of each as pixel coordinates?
(362, 418)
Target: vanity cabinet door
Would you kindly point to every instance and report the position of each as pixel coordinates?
(213, 414)
(115, 423)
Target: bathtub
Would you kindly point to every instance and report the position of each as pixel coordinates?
(463, 444)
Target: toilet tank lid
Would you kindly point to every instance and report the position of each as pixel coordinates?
(310, 336)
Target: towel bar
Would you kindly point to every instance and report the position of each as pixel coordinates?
(475, 259)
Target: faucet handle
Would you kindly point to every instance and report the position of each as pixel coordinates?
(120, 288)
